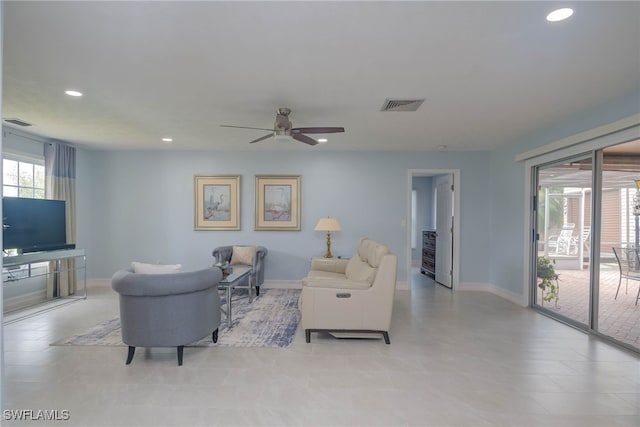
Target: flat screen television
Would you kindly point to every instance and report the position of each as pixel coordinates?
(33, 225)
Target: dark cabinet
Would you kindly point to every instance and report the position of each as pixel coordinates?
(428, 253)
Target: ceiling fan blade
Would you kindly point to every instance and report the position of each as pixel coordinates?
(244, 127)
(262, 138)
(304, 138)
(318, 130)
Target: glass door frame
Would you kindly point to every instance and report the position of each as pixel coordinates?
(533, 261)
(592, 143)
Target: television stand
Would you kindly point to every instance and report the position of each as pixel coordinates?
(56, 256)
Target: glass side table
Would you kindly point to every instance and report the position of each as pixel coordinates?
(228, 283)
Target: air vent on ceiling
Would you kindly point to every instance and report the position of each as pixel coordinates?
(18, 122)
(401, 104)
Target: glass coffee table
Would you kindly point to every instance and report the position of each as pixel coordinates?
(228, 283)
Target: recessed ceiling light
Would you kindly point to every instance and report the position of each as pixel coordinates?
(559, 14)
(167, 140)
(322, 140)
(73, 93)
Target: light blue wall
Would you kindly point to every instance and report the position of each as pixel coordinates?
(141, 206)
(509, 218)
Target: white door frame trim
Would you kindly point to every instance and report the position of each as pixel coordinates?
(411, 173)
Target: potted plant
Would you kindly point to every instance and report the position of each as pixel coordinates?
(548, 280)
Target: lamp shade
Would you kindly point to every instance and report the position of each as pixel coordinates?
(328, 224)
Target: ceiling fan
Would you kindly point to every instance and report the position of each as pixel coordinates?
(283, 129)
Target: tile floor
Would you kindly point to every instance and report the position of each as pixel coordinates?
(455, 359)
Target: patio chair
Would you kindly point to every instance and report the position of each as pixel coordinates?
(561, 243)
(574, 243)
(629, 265)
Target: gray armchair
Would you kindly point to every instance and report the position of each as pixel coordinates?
(224, 254)
(167, 310)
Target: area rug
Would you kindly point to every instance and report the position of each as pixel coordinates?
(270, 320)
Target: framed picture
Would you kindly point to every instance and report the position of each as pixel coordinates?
(277, 202)
(217, 202)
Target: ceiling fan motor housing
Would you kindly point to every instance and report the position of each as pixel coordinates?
(283, 125)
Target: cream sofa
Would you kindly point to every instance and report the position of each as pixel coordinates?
(351, 296)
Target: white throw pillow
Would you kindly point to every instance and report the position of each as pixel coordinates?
(141, 267)
(243, 255)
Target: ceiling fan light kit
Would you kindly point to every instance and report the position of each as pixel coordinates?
(283, 130)
(282, 137)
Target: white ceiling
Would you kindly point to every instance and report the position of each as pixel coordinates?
(491, 72)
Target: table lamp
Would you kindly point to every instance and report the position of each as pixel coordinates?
(328, 224)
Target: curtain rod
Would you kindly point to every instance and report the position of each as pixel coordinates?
(32, 138)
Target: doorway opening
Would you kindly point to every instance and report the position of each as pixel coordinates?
(434, 213)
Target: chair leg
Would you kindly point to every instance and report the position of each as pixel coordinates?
(619, 283)
(180, 352)
(385, 335)
(132, 350)
(638, 296)
(214, 336)
(307, 335)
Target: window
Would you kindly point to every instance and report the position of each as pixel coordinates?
(22, 178)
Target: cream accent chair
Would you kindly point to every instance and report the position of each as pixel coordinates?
(350, 296)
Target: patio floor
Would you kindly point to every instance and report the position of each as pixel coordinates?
(618, 318)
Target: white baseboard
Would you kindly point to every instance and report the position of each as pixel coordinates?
(98, 282)
(493, 289)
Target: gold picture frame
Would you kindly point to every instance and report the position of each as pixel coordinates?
(277, 202)
(217, 202)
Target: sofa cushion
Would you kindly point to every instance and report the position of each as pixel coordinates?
(360, 271)
(243, 255)
(143, 268)
(363, 249)
(375, 253)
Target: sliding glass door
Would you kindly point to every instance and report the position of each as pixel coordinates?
(618, 279)
(587, 247)
(563, 228)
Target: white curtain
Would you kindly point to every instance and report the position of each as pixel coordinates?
(60, 184)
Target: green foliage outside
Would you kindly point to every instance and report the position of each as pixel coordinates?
(549, 280)
(556, 210)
